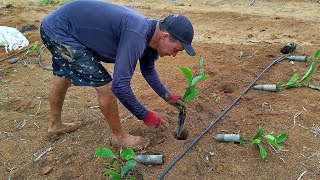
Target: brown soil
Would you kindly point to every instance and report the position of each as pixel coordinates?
(237, 41)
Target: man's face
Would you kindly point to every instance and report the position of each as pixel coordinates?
(168, 47)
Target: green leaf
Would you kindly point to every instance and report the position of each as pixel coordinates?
(309, 73)
(281, 138)
(313, 87)
(187, 73)
(263, 152)
(128, 166)
(190, 94)
(113, 175)
(256, 141)
(259, 134)
(317, 54)
(293, 80)
(198, 78)
(105, 152)
(127, 154)
(35, 46)
(269, 137)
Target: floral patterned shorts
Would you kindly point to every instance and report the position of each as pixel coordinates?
(77, 63)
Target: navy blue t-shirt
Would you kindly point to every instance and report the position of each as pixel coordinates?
(117, 35)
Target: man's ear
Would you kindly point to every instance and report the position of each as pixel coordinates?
(165, 35)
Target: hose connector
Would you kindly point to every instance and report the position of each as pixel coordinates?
(298, 58)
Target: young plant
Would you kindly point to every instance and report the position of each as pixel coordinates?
(34, 49)
(119, 165)
(190, 94)
(305, 81)
(270, 139)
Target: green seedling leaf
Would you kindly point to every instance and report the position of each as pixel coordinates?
(187, 73)
(313, 87)
(127, 154)
(270, 137)
(35, 46)
(272, 140)
(256, 141)
(263, 152)
(105, 152)
(128, 166)
(259, 134)
(190, 94)
(293, 80)
(281, 138)
(113, 175)
(309, 73)
(317, 54)
(198, 78)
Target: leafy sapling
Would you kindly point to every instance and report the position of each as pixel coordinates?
(270, 139)
(190, 93)
(305, 81)
(119, 166)
(34, 49)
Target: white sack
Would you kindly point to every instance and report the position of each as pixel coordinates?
(12, 39)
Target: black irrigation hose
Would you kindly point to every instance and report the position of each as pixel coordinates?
(39, 59)
(218, 118)
(13, 55)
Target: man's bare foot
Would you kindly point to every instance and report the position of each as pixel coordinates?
(129, 141)
(64, 128)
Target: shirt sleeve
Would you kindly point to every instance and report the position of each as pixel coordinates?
(131, 47)
(150, 74)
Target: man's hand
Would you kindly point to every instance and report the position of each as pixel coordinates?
(175, 101)
(152, 120)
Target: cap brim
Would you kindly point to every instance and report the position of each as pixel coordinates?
(189, 49)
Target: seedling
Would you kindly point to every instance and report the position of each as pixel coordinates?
(34, 49)
(294, 82)
(305, 81)
(270, 139)
(120, 165)
(189, 94)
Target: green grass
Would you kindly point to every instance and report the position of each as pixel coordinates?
(47, 2)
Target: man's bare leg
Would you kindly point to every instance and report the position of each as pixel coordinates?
(56, 98)
(109, 108)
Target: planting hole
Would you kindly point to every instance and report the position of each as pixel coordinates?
(183, 135)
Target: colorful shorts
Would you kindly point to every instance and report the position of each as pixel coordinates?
(77, 63)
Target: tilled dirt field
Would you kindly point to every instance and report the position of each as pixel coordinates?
(237, 42)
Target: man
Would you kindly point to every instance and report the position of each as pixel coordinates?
(82, 34)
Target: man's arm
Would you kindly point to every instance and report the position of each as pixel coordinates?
(130, 49)
(150, 74)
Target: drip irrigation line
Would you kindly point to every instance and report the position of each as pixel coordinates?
(218, 118)
(13, 55)
(39, 59)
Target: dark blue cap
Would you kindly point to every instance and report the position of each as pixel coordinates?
(181, 29)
